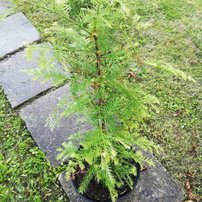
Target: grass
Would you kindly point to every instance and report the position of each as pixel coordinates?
(174, 36)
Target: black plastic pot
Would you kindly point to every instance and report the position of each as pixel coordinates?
(154, 184)
(121, 196)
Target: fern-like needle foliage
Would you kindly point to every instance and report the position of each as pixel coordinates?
(98, 39)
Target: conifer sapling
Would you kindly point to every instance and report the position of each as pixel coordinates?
(96, 41)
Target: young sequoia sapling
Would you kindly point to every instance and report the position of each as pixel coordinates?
(96, 41)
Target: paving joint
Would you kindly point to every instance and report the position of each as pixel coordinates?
(36, 97)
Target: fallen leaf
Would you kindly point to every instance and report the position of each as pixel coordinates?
(143, 168)
(189, 174)
(191, 197)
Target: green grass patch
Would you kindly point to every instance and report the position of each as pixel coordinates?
(173, 9)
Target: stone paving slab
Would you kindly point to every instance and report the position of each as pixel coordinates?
(35, 117)
(154, 185)
(2, 9)
(15, 32)
(18, 84)
(4, 5)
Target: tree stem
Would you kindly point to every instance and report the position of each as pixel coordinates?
(99, 73)
(98, 55)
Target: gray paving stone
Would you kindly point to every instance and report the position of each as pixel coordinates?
(2, 9)
(35, 117)
(15, 32)
(154, 185)
(4, 5)
(18, 84)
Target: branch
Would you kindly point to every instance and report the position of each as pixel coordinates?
(62, 16)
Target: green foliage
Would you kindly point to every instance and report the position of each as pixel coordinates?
(48, 65)
(108, 156)
(172, 9)
(99, 45)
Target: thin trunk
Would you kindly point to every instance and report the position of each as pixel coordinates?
(98, 55)
(99, 72)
